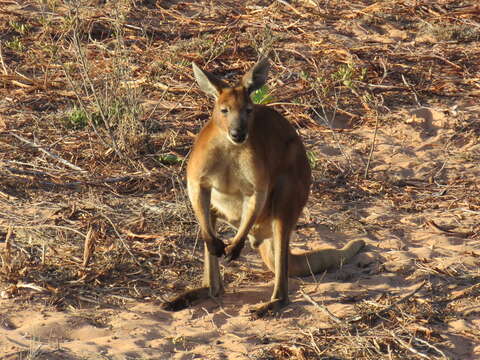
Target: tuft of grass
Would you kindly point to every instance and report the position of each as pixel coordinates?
(21, 28)
(263, 40)
(115, 103)
(76, 119)
(15, 44)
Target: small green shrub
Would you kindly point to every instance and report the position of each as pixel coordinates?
(76, 119)
(15, 44)
(347, 74)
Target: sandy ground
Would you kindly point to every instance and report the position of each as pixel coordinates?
(423, 146)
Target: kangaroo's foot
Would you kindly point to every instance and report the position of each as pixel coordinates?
(187, 299)
(272, 307)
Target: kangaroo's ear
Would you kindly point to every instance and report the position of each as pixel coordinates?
(208, 82)
(256, 77)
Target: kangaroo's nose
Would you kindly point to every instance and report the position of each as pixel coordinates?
(238, 135)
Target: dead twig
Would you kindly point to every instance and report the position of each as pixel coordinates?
(5, 71)
(372, 147)
(120, 237)
(6, 260)
(412, 89)
(323, 309)
(31, 286)
(291, 8)
(432, 347)
(89, 246)
(469, 290)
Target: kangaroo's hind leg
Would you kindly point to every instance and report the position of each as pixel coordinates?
(286, 209)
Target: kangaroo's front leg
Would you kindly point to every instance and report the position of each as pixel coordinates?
(212, 286)
(200, 198)
(252, 208)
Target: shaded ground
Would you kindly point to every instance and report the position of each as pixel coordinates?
(98, 110)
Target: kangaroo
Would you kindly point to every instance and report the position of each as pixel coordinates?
(249, 167)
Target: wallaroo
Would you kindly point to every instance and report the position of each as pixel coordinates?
(249, 168)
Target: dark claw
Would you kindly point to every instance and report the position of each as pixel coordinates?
(263, 311)
(234, 251)
(259, 314)
(175, 305)
(186, 299)
(216, 247)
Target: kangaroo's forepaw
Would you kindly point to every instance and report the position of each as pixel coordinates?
(234, 250)
(216, 247)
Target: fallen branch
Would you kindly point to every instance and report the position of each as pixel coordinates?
(387, 309)
(120, 237)
(442, 230)
(49, 154)
(408, 347)
(58, 227)
(72, 184)
(31, 286)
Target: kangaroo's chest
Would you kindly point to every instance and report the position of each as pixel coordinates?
(232, 179)
(231, 184)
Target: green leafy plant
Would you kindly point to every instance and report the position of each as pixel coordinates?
(312, 159)
(262, 96)
(348, 73)
(169, 159)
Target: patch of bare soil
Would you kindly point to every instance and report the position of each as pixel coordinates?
(98, 110)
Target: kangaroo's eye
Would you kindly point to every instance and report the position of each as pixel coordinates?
(224, 110)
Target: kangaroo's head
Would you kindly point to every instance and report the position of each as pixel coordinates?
(234, 110)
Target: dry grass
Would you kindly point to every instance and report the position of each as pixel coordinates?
(107, 87)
